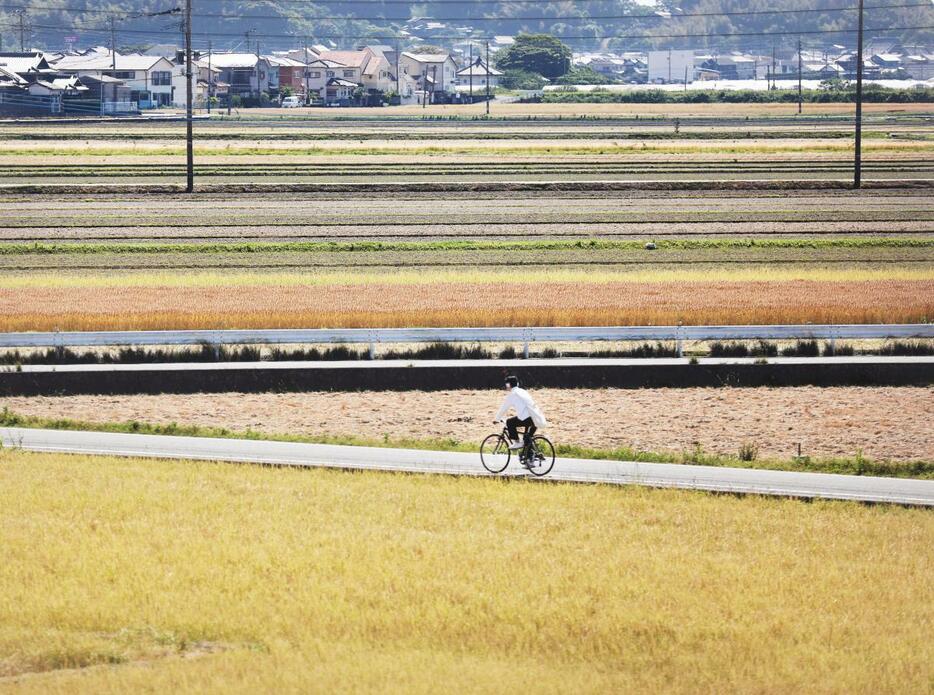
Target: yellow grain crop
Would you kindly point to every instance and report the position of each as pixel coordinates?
(194, 577)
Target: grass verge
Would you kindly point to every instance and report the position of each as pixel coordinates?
(856, 465)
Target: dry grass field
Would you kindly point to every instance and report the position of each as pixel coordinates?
(882, 423)
(515, 302)
(155, 576)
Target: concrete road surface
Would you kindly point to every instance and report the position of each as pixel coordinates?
(734, 480)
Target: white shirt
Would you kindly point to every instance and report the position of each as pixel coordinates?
(520, 400)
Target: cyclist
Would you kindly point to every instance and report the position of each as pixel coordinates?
(528, 415)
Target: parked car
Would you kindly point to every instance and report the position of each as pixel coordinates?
(292, 102)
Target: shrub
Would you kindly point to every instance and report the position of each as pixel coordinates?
(748, 451)
(803, 348)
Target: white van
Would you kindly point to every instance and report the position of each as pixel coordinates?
(291, 102)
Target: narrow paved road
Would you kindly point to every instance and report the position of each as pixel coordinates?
(734, 480)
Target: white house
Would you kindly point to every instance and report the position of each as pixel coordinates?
(433, 72)
(149, 78)
(476, 75)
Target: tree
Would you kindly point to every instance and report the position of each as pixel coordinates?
(538, 53)
(429, 49)
(521, 79)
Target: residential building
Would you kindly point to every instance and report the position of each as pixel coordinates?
(920, 66)
(149, 78)
(434, 73)
(291, 73)
(476, 75)
(366, 66)
(247, 74)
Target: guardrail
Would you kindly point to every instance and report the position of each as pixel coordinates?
(375, 336)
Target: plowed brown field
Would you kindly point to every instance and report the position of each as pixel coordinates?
(884, 423)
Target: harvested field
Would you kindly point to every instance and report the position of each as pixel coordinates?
(353, 150)
(457, 304)
(885, 423)
(528, 260)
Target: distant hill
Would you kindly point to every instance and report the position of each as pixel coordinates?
(588, 25)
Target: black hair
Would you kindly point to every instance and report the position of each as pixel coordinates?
(512, 381)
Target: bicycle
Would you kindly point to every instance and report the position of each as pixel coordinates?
(537, 454)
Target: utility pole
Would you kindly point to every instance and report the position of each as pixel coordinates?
(22, 31)
(773, 66)
(210, 75)
(470, 74)
(398, 78)
(305, 56)
(799, 74)
(113, 59)
(857, 160)
(685, 78)
(487, 78)
(189, 144)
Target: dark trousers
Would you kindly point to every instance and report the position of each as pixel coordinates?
(513, 423)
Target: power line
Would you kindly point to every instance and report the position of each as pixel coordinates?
(378, 37)
(499, 18)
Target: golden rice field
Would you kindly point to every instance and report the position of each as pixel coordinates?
(146, 576)
(501, 303)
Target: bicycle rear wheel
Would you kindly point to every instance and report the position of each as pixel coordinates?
(543, 456)
(494, 453)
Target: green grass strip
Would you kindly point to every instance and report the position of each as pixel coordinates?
(857, 465)
(14, 249)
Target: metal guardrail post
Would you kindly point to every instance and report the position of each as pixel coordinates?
(679, 342)
(374, 338)
(525, 347)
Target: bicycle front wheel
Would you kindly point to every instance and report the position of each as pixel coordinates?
(543, 456)
(494, 453)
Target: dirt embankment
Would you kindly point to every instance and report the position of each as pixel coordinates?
(884, 423)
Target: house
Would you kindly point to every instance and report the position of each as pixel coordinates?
(149, 78)
(920, 66)
(366, 66)
(871, 71)
(477, 75)
(432, 72)
(744, 67)
(291, 73)
(247, 74)
(887, 61)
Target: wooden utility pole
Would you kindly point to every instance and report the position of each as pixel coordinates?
(857, 160)
(773, 66)
(398, 78)
(799, 75)
(305, 55)
(487, 78)
(113, 60)
(22, 31)
(470, 74)
(189, 140)
(210, 75)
